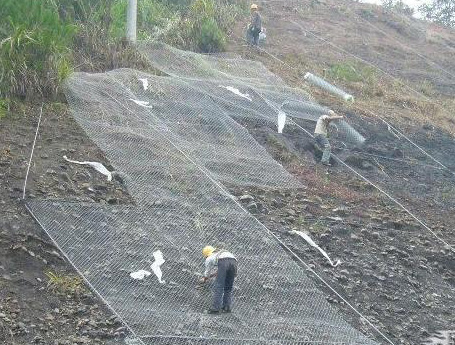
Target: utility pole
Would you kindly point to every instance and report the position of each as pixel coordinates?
(131, 19)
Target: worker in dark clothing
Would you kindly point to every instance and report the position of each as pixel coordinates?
(255, 26)
(222, 265)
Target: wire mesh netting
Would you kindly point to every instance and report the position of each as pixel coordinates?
(176, 141)
(245, 87)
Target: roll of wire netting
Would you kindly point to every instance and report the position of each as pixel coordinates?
(319, 82)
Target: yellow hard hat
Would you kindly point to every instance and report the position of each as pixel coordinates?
(254, 7)
(207, 251)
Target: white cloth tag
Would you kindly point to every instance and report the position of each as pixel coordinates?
(145, 83)
(159, 260)
(237, 92)
(311, 243)
(97, 166)
(141, 103)
(140, 274)
(281, 120)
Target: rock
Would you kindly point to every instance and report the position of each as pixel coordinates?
(397, 153)
(359, 162)
(120, 329)
(81, 340)
(341, 211)
(118, 176)
(49, 317)
(38, 340)
(113, 201)
(246, 197)
(22, 327)
(65, 177)
(252, 206)
(291, 212)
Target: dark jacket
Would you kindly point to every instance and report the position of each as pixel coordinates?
(256, 22)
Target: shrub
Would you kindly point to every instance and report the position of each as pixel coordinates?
(152, 16)
(34, 48)
(397, 6)
(210, 38)
(352, 72)
(205, 25)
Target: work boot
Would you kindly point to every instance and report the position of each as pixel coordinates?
(327, 164)
(213, 311)
(226, 309)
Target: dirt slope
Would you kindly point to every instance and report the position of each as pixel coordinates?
(43, 300)
(393, 271)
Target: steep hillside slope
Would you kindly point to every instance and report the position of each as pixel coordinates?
(394, 271)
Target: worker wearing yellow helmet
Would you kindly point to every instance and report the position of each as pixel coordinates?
(222, 265)
(255, 26)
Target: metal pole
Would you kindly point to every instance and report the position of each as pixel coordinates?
(131, 19)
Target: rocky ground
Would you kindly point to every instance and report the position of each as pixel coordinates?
(43, 300)
(393, 270)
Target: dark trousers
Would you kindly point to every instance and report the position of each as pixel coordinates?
(324, 145)
(224, 282)
(254, 32)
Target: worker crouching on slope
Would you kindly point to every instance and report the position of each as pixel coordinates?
(255, 26)
(321, 132)
(222, 265)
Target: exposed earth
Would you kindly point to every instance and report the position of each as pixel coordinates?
(394, 271)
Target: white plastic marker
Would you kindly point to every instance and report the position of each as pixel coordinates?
(145, 83)
(97, 166)
(141, 103)
(281, 120)
(311, 243)
(140, 274)
(237, 92)
(159, 260)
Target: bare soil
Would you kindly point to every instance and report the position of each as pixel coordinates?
(34, 308)
(393, 270)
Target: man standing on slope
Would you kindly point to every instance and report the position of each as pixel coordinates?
(255, 26)
(320, 134)
(222, 265)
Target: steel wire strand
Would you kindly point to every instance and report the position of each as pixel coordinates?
(382, 191)
(385, 193)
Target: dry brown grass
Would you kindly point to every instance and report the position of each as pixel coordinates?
(325, 185)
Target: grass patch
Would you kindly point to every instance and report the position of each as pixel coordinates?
(352, 72)
(318, 227)
(280, 151)
(34, 48)
(68, 284)
(4, 107)
(427, 88)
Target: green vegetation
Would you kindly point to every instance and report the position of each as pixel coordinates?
(352, 72)
(41, 42)
(4, 106)
(397, 6)
(65, 283)
(34, 48)
(440, 11)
